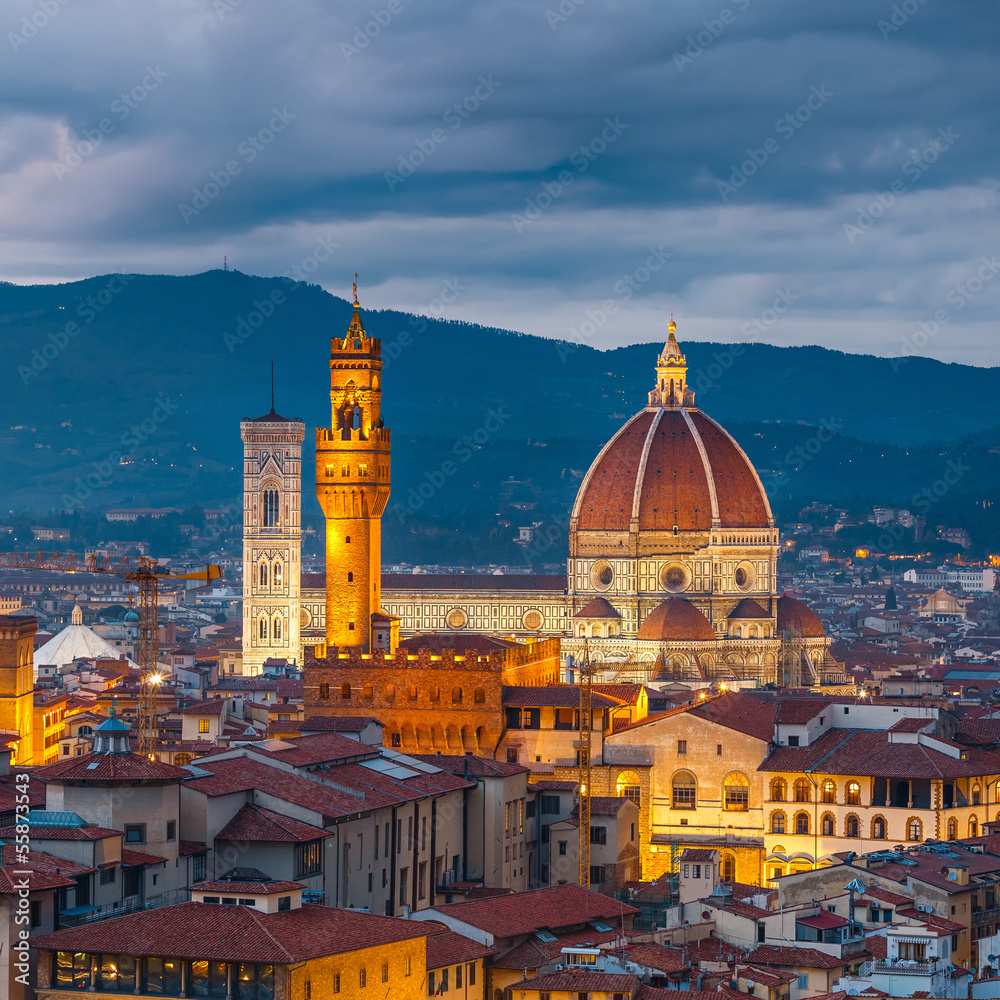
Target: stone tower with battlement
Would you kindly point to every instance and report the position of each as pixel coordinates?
(352, 485)
(272, 539)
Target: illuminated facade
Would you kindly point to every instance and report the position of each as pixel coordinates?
(352, 485)
(17, 684)
(272, 539)
(672, 567)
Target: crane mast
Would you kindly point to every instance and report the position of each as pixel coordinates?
(586, 729)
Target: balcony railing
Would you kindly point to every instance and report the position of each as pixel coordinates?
(903, 966)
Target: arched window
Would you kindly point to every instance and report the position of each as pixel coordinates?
(277, 628)
(480, 696)
(852, 826)
(777, 822)
(778, 790)
(363, 977)
(829, 790)
(736, 792)
(826, 825)
(277, 574)
(914, 829)
(182, 759)
(852, 794)
(456, 696)
(977, 794)
(973, 827)
(728, 868)
(262, 629)
(801, 823)
(263, 574)
(802, 790)
(685, 795)
(368, 692)
(345, 691)
(385, 972)
(390, 692)
(324, 689)
(412, 694)
(271, 508)
(878, 828)
(953, 829)
(627, 786)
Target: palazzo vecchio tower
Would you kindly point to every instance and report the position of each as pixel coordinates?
(352, 485)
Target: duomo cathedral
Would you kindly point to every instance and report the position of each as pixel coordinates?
(672, 566)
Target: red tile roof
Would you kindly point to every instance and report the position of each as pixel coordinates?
(248, 888)
(475, 767)
(582, 981)
(656, 956)
(43, 871)
(748, 608)
(806, 958)
(741, 712)
(912, 725)
(553, 696)
(799, 711)
(450, 948)
(678, 619)
(62, 832)
(316, 748)
(607, 805)
(526, 912)
(458, 642)
(698, 854)
(213, 706)
(124, 767)
(598, 607)
(132, 859)
(798, 618)
(235, 933)
(254, 824)
(870, 753)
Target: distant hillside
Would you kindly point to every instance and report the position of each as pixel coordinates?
(155, 368)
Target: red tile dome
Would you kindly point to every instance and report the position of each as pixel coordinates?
(671, 466)
(799, 619)
(678, 620)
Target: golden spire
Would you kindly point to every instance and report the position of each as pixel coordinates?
(671, 374)
(355, 290)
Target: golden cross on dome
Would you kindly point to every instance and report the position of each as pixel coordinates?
(355, 287)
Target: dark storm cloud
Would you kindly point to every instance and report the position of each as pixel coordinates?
(844, 151)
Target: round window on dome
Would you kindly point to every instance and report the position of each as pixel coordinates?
(744, 577)
(674, 577)
(602, 576)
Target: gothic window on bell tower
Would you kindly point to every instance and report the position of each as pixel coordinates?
(277, 574)
(262, 630)
(263, 574)
(272, 511)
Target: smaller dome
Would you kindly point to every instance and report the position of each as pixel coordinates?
(748, 608)
(676, 619)
(799, 619)
(599, 607)
(130, 616)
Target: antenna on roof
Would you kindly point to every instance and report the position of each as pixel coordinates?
(272, 385)
(225, 262)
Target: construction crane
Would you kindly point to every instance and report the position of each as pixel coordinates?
(146, 574)
(586, 728)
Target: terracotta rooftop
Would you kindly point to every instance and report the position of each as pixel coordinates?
(254, 824)
(551, 696)
(749, 608)
(62, 832)
(235, 888)
(526, 912)
(337, 723)
(457, 642)
(43, 871)
(582, 981)
(126, 767)
(598, 607)
(806, 958)
(474, 767)
(676, 619)
(235, 933)
(449, 948)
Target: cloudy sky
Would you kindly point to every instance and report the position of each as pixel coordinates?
(766, 169)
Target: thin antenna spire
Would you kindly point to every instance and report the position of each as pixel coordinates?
(356, 288)
(272, 385)
(225, 262)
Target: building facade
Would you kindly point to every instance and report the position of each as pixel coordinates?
(671, 534)
(352, 485)
(272, 539)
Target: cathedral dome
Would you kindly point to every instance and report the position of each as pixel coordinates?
(677, 620)
(671, 467)
(799, 619)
